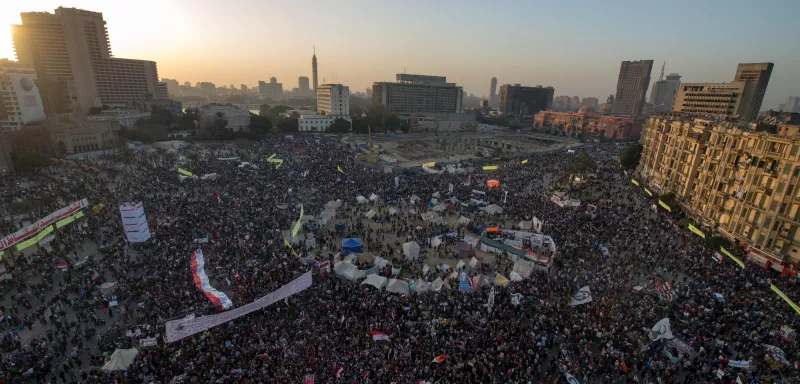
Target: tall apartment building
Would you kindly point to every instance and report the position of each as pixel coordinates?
(662, 95)
(302, 83)
(791, 105)
(173, 87)
(333, 100)
(758, 73)
(525, 101)
(732, 99)
(20, 102)
(72, 45)
(742, 179)
(493, 92)
(632, 85)
(162, 91)
(590, 102)
(418, 94)
(272, 90)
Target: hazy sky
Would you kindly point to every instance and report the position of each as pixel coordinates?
(575, 46)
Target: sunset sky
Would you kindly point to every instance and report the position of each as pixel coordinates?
(575, 46)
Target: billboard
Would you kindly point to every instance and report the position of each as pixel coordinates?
(28, 97)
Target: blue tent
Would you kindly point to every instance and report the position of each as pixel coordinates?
(351, 246)
(340, 228)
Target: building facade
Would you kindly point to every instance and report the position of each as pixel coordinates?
(724, 99)
(613, 127)
(20, 101)
(516, 100)
(632, 85)
(317, 123)
(270, 91)
(493, 92)
(302, 83)
(759, 74)
(590, 102)
(791, 105)
(738, 178)
(162, 90)
(238, 119)
(333, 99)
(418, 94)
(662, 95)
(73, 45)
(126, 118)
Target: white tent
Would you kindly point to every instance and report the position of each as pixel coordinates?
(393, 210)
(370, 214)
(425, 269)
(380, 262)
(494, 209)
(120, 360)
(514, 276)
(361, 199)
(411, 250)
(107, 285)
(434, 201)
(525, 224)
(414, 199)
(348, 271)
(463, 220)
(373, 197)
(437, 284)
(209, 176)
(397, 286)
(420, 286)
(473, 262)
(440, 207)
(437, 195)
(376, 281)
(428, 216)
(333, 204)
(327, 215)
(436, 241)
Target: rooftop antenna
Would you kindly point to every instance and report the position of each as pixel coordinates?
(661, 78)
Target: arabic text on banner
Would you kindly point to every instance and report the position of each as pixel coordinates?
(43, 223)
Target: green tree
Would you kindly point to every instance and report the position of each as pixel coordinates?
(339, 126)
(189, 119)
(405, 126)
(29, 162)
(288, 125)
(263, 110)
(360, 124)
(259, 125)
(580, 165)
(629, 157)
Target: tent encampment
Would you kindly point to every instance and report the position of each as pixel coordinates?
(376, 281)
(333, 204)
(421, 286)
(361, 199)
(373, 197)
(397, 286)
(463, 220)
(393, 211)
(370, 214)
(366, 257)
(494, 209)
(120, 360)
(351, 245)
(437, 284)
(441, 207)
(348, 271)
(436, 241)
(411, 250)
(465, 250)
(525, 224)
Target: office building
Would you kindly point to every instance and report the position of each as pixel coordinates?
(173, 87)
(517, 100)
(270, 91)
(72, 45)
(562, 103)
(238, 118)
(302, 83)
(418, 94)
(318, 123)
(662, 95)
(207, 86)
(576, 102)
(586, 121)
(740, 179)
(20, 101)
(731, 99)
(590, 102)
(333, 100)
(632, 85)
(758, 73)
(175, 108)
(162, 90)
(792, 104)
(314, 69)
(493, 92)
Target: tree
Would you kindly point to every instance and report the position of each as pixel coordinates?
(360, 124)
(580, 165)
(339, 126)
(189, 119)
(259, 125)
(288, 125)
(263, 110)
(405, 126)
(629, 157)
(29, 162)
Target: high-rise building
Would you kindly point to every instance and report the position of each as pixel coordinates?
(493, 92)
(302, 83)
(6, 166)
(314, 69)
(738, 179)
(173, 87)
(20, 101)
(632, 85)
(72, 45)
(333, 100)
(272, 90)
(162, 91)
(610, 99)
(791, 105)
(730, 99)
(590, 102)
(416, 94)
(517, 100)
(759, 73)
(663, 93)
(576, 102)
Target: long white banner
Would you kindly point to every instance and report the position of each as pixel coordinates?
(178, 329)
(134, 222)
(38, 226)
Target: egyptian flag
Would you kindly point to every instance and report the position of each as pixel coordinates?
(439, 359)
(339, 372)
(379, 336)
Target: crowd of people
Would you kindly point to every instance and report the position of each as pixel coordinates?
(61, 318)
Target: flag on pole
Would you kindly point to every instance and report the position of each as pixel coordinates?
(339, 372)
(338, 168)
(299, 222)
(439, 359)
(379, 336)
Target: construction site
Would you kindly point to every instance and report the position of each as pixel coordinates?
(416, 149)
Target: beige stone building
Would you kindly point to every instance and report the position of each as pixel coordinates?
(741, 179)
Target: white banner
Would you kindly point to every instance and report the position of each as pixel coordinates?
(661, 330)
(134, 222)
(178, 329)
(42, 223)
(583, 296)
(148, 342)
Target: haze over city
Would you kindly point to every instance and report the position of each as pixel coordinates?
(575, 47)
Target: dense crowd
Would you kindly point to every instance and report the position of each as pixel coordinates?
(59, 323)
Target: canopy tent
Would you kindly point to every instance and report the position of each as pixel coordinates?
(393, 211)
(333, 204)
(351, 245)
(428, 216)
(465, 250)
(380, 262)
(370, 214)
(421, 286)
(327, 216)
(373, 197)
(107, 285)
(463, 220)
(348, 271)
(120, 360)
(494, 209)
(437, 284)
(397, 286)
(414, 199)
(525, 224)
(436, 195)
(436, 241)
(361, 199)
(366, 257)
(411, 250)
(376, 281)
(492, 183)
(441, 207)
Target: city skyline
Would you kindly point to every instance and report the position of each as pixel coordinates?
(582, 59)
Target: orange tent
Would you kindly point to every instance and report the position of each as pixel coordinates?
(493, 229)
(492, 183)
